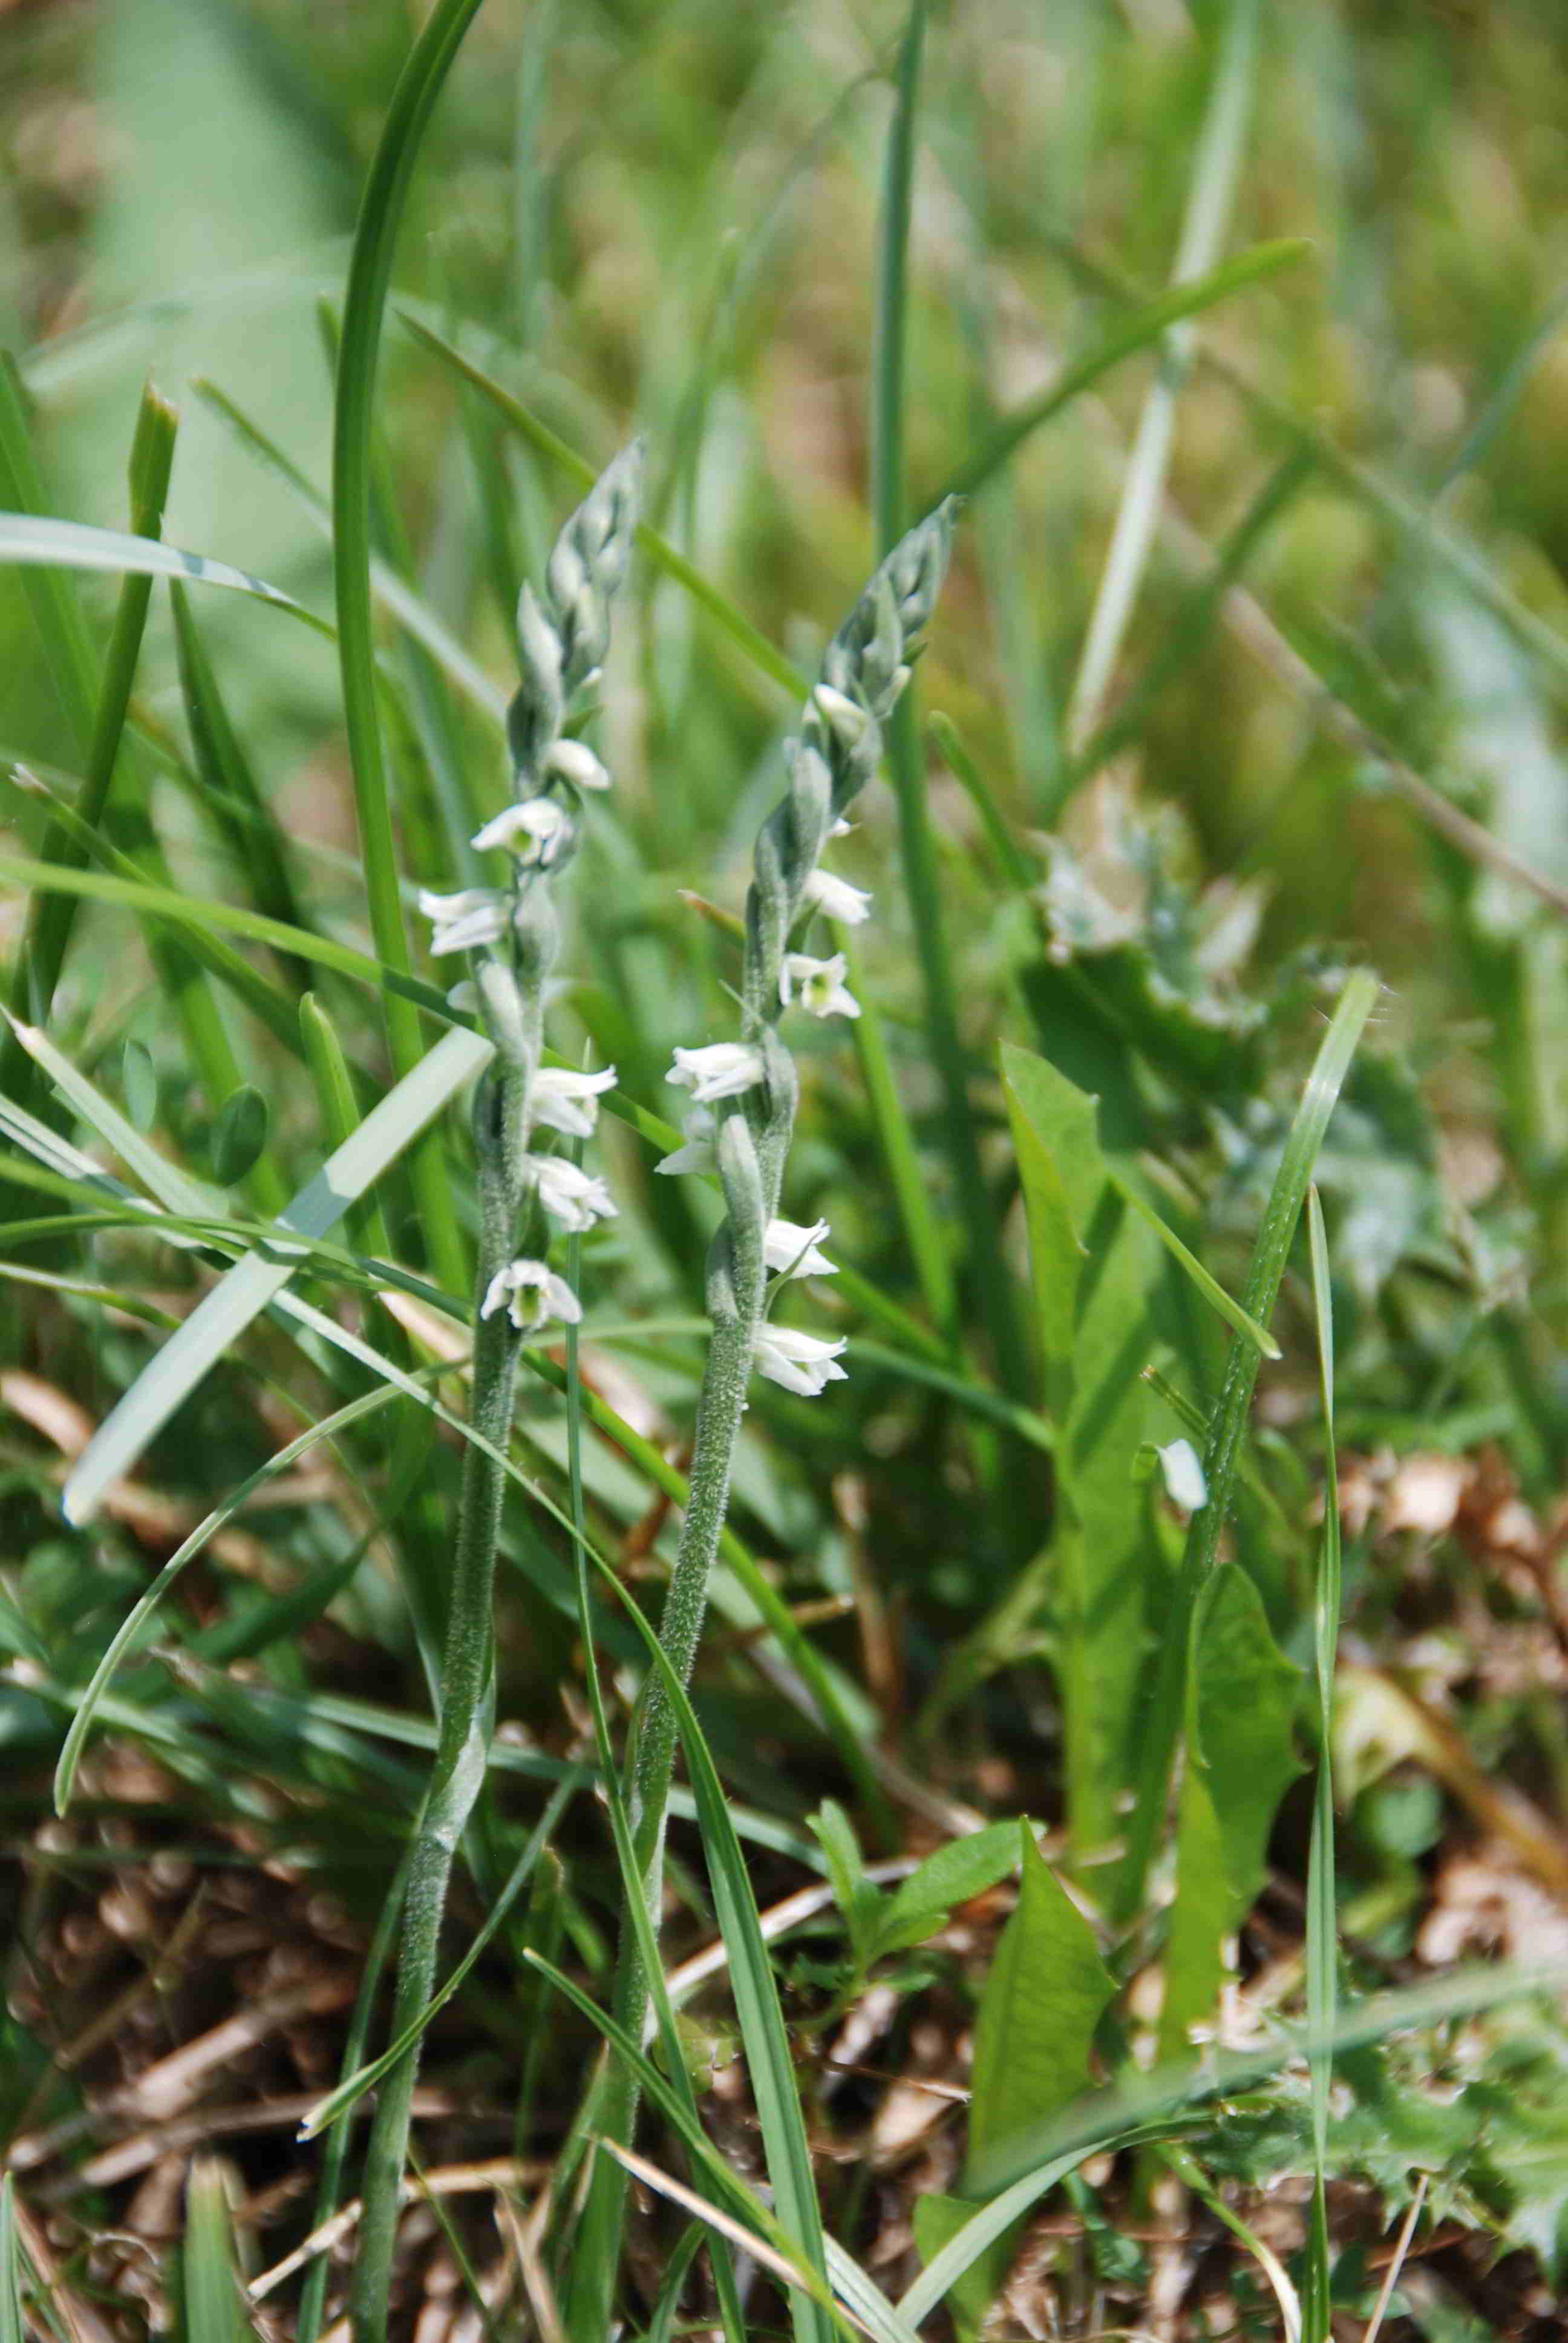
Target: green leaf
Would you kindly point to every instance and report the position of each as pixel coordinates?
(937, 2220)
(212, 2302)
(1162, 1724)
(139, 1081)
(1045, 1995)
(29, 540)
(10, 2330)
(1094, 1267)
(223, 1315)
(1241, 1759)
(1145, 326)
(857, 1897)
(963, 1867)
(239, 1135)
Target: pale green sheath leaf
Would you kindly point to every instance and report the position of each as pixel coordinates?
(30, 541)
(1241, 1759)
(252, 1282)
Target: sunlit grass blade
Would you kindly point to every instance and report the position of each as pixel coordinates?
(1145, 326)
(1240, 1322)
(213, 2312)
(1161, 1726)
(224, 1314)
(51, 592)
(45, 946)
(27, 541)
(917, 845)
(397, 598)
(657, 549)
(222, 764)
(1323, 1933)
(1209, 203)
(10, 2264)
(130, 1628)
(369, 276)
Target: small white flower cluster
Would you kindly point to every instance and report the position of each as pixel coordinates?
(563, 634)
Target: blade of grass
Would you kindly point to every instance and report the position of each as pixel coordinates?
(30, 540)
(10, 2264)
(927, 1251)
(1162, 1727)
(916, 844)
(51, 917)
(1145, 324)
(369, 276)
(657, 549)
(222, 1315)
(212, 2299)
(414, 615)
(51, 593)
(1209, 203)
(226, 769)
(1323, 1935)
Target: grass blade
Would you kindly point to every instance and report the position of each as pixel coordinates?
(1146, 324)
(10, 2264)
(369, 276)
(1323, 1935)
(29, 540)
(212, 2297)
(225, 1313)
(1161, 1727)
(1209, 203)
(916, 844)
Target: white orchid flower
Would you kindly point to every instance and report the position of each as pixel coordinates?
(531, 1294)
(801, 1362)
(570, 1195)
(794, 1251)
(837, 898)
(697, 1155)
(568, 1102)
(722, 1070)
(474, 916)
(575, 761)
(821, 985)
(538, 831)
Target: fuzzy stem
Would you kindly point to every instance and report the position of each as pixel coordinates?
(462, 1749)
(719, 1407)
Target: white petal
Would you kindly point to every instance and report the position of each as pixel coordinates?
(837, 898)
(801, 1362)
(568, 1102)
(795, 1251)
(721, 1070)
(576, 763)
(535, 831)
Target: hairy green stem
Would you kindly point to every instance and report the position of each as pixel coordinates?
(466, 1695)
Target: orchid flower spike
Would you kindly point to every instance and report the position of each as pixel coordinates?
(532, 1294)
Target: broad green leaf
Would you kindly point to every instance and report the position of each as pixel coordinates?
(963, 1867)
(1045, 1995)
(937, 2220)
(223, 1315)
(239, 1135)
(1241, 1759)
(1095, 1267)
